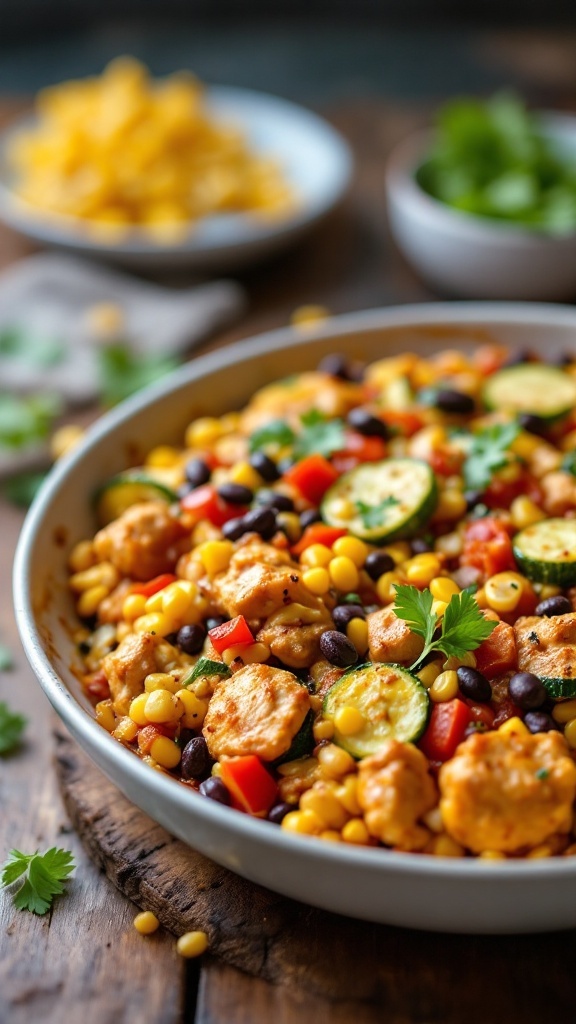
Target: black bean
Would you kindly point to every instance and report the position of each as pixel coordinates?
(216, 620)
(552, 606)
(191, 638)
(344, 613)
(215, 789)
(377, 563)
(309, 516)
(265, 466)
(368, 424)
(274, 499)
(336, 365)
(419, 546)
(338, 649)
(472, 498)
(533, 424)
(235, 494)
(262, 521)
(234, 528)
(473, 684)
(539, 721)
(197, 472)
(454, 401)
(279, 812)
(527, 691)
(196, 760)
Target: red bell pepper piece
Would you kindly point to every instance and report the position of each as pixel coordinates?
(312, 476)
(230, 634)
(487, 546)
(358, 449)
(318, 533)
(252, 787)
(205, 503)
(406, 423)
(153, 586)
(445, 730)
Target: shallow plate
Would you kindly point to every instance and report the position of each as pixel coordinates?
(316, 161)
(418, 891)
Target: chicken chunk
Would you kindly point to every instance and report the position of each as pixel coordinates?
(559, 493)
(390, 639)
(508, 793)
(143, 542)
(330, 395)
(126, 668)
(258, 711)
(297, 644)
(546, 646)
(110, 609)
(394, 790)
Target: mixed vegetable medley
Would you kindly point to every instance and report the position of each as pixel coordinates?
(349, 608)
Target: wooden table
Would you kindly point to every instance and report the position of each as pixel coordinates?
(84, 962)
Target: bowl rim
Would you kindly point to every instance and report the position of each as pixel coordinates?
(163, 787)
(402, 186)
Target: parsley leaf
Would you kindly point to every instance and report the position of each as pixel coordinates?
(27, 420)
(45, 875)
(12, 726)
(276, 432)
(463, 625)
(22, 489)
(320, 436)
(122, 372)
(488, 453)
(373, 516)
(205, 667)
(568, 464)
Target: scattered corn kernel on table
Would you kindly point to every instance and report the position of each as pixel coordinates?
(85, 961)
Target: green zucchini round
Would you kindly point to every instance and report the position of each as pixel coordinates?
(126, 489)
(544, 391)
(559, 689)
(546, 551)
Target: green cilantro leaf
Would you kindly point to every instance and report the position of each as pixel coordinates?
(31, 349)
(45, 875)
(205, 667)
(488, 453)
(319, 436)
(542, 773)
(463, 625)
(373, 516)
(122, 372)
(24, 421)
(12, 726)
(276, 432)
(568, 464)
(23, 488)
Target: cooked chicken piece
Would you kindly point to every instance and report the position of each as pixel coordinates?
(126, 668)
(143, 542)
(559, 490)
(546, 646)
(394, 790)
(497, 653)
(110, 609)
(508, 793)
(287, 401)
(258, 711)
(390, 639)
(297, 644)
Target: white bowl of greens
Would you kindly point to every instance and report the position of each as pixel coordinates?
(485, 205)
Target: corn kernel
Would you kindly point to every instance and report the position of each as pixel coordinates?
(549, 590)
(454, 663)
(133, 607)
(82, 556)
(504, 590)
(352, 548)
(450, 544)
(304, 822)
(443, 588)
(525, 444)
(492, 855)
(105, 715)
(243, 473)
(153, 623)
(323, 730)
(65, 439)
(89, 601)
(176, 604)
(194, 709)
(316, 580)
(385, 586)
(215, 555)
(316, 555)
(429, 674)
(564, 711)
(421, 569)
(570, 733)
(347, 793)
(165, 752)
(540, 852)
(513, 727)
(438, 608)
(433, 820)
(126, 731)
(236, 651)
(203, 432)
(136, 709)
(331, 835)
(348, 721)
(123, 629)
(103, 574)
(451, 505)
(146, 923)
(357, 632)
(325, 805)
(162, 707)
(334, 761)
(164, 456)
(161, 681)
(444, 687)
(192, 944)
(398, 552)
(445, 846)
(309, 316)
(355, 831)
(524, 512)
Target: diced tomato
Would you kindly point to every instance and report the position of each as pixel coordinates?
(482, 713)
(501, 493)
(97, 685)
(205, 503)
(312, 476)
(489, 358)
(230, 634)
(487, 547)
(497, 653)
(359, 449)
(318, 533)
(445, 461)
(406, 423)
(252, 787)
(153, 586)
(504, 710)
(446, 729)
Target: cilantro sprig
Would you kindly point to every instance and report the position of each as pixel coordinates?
(463, 624)
(275, 432)
(319, 435)
(373, 516)
(12, 726)
(43, 877)
(122, 371)
(488, 452)
(205, 667)
(25, 421)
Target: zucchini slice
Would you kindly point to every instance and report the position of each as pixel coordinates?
(545, 391)
(393, 702)
(382, 501)
(546, 551)
(302, 744)
(559, 689)
(126, 489)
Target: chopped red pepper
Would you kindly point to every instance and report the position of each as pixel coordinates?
(488, 547)
(97, 685)
(205, 503)
(153, 586)
(252, 787)
(318, 533)
(312, 476)
(230, 634)
(446, 729)
(358, 449)
(481, 713)
(406, 423)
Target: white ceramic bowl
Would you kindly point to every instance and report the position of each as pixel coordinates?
(474, 257)
(315, 158)
(417, 891)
